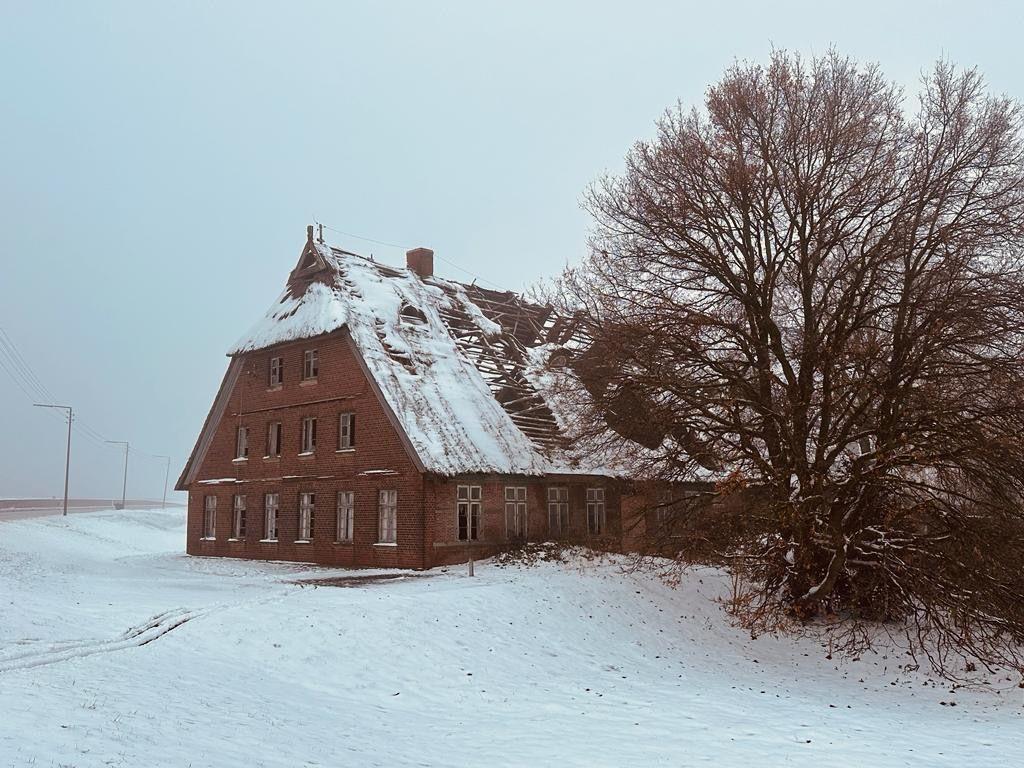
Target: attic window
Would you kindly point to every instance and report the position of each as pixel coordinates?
(410, 314)
(559, 359)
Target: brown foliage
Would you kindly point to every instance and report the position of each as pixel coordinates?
(810, 291)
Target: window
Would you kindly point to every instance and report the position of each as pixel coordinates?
(558, 511)
(595, 510)
(346, 431)
(242, 443)
(210, 517)
(468, 504)
(308, 435)
(310, 364)
(274, 439)
(346, 515)
(238, 518)
(388, 510)
(307, 502)
(276, 371)
(515, 512)
(270, 518)
(410, 314)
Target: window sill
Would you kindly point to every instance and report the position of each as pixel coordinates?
(275, 387)
(385, 544)
(307, 455)
(207, 538)
(303, 541)
(268, 541)
(272, 458)
(240, 460)
(346, 450)
(343, 543)
(307, 382)
(235, 539)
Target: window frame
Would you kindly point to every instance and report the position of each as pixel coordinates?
(347, 431)
(307, 517)
(270, 525)
(387, 517)
(310, 364)
(275, 439)
(558, 509)
(596, 511)
(241, 443)
(345, 520)
(275, 377)
(209, 518)
(238, 512)
(515, 506)
(468, 508)
(307, 438)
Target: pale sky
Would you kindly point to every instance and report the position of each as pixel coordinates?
(159, 163)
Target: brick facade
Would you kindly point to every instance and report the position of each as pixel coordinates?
(427, 531)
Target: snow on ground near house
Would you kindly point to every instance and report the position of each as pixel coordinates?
(118, 650)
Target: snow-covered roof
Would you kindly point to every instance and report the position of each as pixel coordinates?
(455, 363)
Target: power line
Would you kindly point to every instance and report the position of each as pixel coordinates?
(21, 373)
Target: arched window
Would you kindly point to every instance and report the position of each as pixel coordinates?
(410, 314)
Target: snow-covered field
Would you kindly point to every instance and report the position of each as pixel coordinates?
(118, 650)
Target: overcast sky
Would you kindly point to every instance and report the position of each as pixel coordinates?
(159, 163)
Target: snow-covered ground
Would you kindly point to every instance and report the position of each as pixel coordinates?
(118, 650)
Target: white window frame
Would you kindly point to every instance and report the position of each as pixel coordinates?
(597, 523)
(468, 504)
(274, 440)
(276, 378)
(271, 509)
(558, 510)
(308, 438)
(209, 518)
(387, 517)
(310, 364)
(346, 516)
(238, 520)
(307, 511)
(516, 513)
(346, 431)
(241, 443)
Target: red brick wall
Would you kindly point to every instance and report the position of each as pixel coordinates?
(442, 521)
(340, 387)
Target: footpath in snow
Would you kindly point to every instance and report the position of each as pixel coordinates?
(116, 649)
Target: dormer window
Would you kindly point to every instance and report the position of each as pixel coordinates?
(413, 315)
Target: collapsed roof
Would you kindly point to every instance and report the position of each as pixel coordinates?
(460, 366)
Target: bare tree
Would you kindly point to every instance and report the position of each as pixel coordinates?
(816, 296)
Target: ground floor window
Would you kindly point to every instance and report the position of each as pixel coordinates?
(346, 515)
(238, 519)
(270, 519)
(388, 514)
(468, 503)
(210, 517)
(558, 511)
(595, 511)
(515, 512)
(307, 501)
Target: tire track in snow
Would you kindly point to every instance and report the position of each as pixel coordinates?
(152, 629)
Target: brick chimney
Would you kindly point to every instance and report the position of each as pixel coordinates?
(420, 261)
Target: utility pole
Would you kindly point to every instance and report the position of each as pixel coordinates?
(124, 486)
(167, 474)
(67, 457)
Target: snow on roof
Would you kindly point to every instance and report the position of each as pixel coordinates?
(417, 337)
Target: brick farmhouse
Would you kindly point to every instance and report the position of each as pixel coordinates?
(384, 417)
